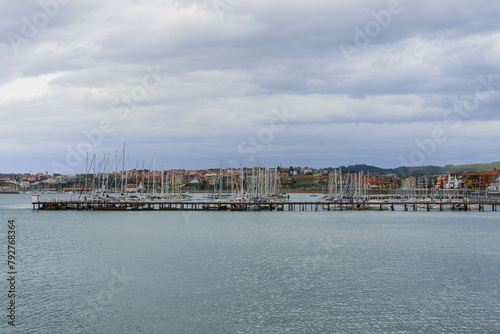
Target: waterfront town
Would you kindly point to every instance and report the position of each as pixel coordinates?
(291, 179)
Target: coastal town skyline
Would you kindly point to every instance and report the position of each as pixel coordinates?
(129, 164)
(290, 178)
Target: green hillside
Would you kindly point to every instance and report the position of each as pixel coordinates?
(480, 167)
(472, 168)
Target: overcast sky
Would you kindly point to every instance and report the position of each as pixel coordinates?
(307, 83)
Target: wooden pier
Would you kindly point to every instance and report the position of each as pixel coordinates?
(151, 205)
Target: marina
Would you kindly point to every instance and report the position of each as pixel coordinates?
(258, 188)
(489, 204)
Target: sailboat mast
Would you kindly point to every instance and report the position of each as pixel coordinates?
(116, 172)
(221, 180)
(154, 173)
(242, 178)
(162, 181)
(93, 178)
(123, 168)
(341, 184)
(86, 172)
(126, 178)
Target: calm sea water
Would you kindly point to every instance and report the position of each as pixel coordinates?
(252, 272)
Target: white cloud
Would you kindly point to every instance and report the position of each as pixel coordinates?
(27, 88)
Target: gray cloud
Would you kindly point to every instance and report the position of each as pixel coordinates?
(221, 77)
